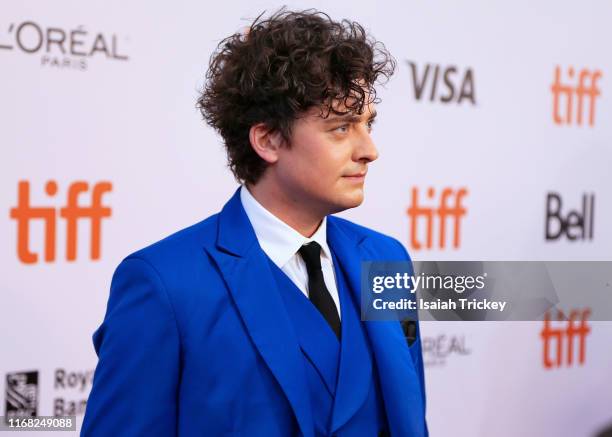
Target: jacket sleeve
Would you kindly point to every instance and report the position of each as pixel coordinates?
(136, 380)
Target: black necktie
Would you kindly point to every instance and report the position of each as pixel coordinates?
(317, 291)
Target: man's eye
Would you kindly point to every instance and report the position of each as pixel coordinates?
(343, 128)
(371, 124)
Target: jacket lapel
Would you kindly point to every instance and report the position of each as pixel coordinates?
(321, 349)
(249, 279)
(398, 378)
(353, 380)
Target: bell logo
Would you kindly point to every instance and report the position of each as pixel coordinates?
(563, 96)
(23, 213)
(575, 225)
(440, 213)
(564, 333)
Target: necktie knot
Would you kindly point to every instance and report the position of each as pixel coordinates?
(311, 254)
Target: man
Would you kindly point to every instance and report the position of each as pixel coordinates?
(248, 323)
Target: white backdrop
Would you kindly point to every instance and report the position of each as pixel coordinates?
(105, 92)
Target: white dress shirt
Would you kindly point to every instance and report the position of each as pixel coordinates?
(281, 243)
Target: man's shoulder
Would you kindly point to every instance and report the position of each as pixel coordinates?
(383, 243)
(181, 247)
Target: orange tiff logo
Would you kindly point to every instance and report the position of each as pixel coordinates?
(572, 98)
(23, 213)
(438, 213)
(563, 334)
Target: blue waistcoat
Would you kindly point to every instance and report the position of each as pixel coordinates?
(341, 375)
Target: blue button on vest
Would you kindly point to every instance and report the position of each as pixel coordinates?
(342, 378)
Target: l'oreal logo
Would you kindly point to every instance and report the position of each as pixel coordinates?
(60, 47)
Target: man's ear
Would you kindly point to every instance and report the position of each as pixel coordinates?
(266, 142)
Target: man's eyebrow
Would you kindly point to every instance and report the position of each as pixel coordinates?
(350, 118)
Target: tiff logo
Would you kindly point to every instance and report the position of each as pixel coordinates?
(563, 96)
(564, 333)
(437, 214)
(23, 213)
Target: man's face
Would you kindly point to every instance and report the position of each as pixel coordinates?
(325, 165)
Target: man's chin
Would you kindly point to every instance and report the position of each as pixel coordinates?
(348, 202)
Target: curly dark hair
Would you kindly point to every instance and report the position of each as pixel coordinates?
(281, 67)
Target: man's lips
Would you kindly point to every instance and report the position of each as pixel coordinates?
(356, 175)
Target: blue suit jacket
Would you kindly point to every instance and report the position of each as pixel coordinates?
(196, 341)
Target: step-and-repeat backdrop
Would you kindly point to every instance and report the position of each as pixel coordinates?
(495, 143)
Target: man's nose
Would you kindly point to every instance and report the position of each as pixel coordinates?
(365, 150)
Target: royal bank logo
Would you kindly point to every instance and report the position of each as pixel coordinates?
(59, 47)
(21, 397)
(71, 390)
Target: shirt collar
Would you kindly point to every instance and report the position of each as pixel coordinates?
(277, 239)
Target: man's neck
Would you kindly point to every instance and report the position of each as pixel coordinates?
(289, 210)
